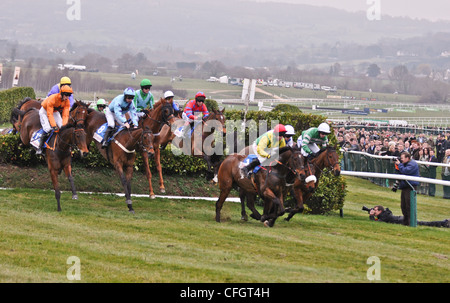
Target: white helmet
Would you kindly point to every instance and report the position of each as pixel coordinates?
(324, 128)
(290, 131)
(168, 94)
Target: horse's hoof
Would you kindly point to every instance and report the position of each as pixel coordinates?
(75, 197)
(266, 223)
(131, 211)
(152, 196)
(162, 190)
(244, 218)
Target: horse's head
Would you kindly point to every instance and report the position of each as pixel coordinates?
(146, 141)
(296, 163)
(78, 114)
(219, 121)
(80, 140)
(328, 158)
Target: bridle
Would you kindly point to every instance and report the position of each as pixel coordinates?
(330, 165)
(76, 120)
(141, 142)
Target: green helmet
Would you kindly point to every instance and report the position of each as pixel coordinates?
(146, 82)
(101, 102)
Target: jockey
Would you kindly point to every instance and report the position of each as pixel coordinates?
(57, 87)
(169, 95)
(116, 111)
(100, 105)
(264, 145)
(290, 132)
(143, 98)
(310, 138)
(194, 106)
(50, 113)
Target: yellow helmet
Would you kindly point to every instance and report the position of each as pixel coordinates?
(65, 80)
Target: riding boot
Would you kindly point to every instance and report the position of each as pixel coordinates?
(108, 133)
(44, 138)
(246, 170)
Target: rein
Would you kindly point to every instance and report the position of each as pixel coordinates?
(57, 141)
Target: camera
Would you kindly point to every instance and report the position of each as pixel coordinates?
(366, 209)
(395, 186)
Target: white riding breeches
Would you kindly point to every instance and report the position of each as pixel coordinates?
(46, 123)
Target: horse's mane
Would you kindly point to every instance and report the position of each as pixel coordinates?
(82, 103)
(285, 149)
(158, 103)
(64, 127)
(19, 105)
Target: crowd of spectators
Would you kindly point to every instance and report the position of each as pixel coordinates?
(421, 146)
(384, 142)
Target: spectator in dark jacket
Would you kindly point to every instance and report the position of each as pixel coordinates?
(409, 167)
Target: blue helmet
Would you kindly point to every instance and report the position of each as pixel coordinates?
(129, 91)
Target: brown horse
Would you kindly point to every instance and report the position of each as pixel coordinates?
(58, 153)
(121, 153)
(269, 183)
(159, 121)
(23, 105)
(202, 142)
(306, 184)
(327, 158)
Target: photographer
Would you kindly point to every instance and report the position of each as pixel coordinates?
(379, 213)
(409, 167)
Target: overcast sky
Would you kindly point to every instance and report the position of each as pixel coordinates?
(427, 9)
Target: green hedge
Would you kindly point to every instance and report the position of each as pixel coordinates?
(10, 98)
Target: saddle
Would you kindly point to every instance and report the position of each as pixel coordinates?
(99, 134)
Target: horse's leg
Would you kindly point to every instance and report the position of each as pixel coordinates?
(242, 196)
(222, 197)
(54, 177)
(162, 189)
(128, 177)
(251, 198)
(210, 167)
(273, 207)
(298, 196)
(148, 174)
(68, 172)
(123, 180)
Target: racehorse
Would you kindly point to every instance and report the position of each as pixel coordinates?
(269, 183)
(23, 105)
(59, 148)
(121, 152)
(327, 158)
(295, 185)
(205, 148)
(158, 120)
